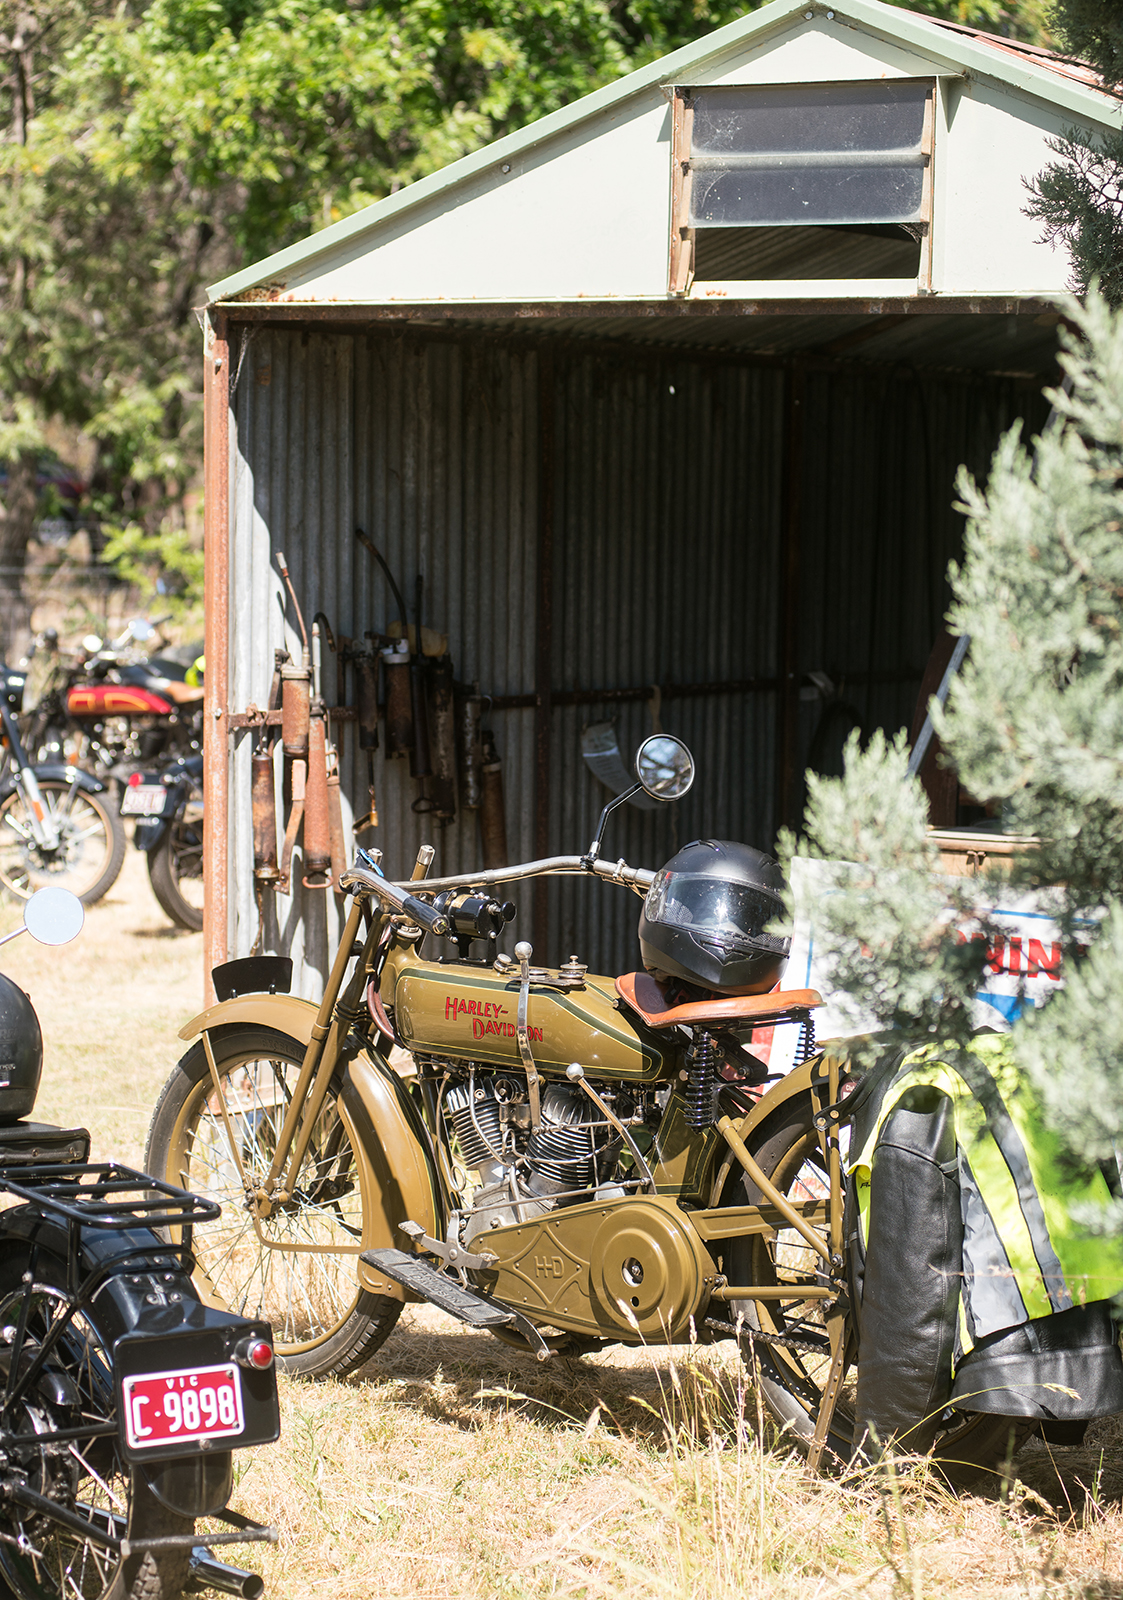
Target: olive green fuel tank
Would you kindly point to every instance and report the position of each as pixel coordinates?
(449, 1009)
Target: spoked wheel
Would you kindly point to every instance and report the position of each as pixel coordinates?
(90, 851)
(785, 1343)
(297, 1268)
(87, 1478)
(175, 867)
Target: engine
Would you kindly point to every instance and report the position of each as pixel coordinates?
(519, 1173)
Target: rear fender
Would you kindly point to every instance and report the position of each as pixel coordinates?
(398, 1170)
(57, 772)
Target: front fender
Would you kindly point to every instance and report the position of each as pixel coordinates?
(398, 1177)
(57, 772)
(285, 1012)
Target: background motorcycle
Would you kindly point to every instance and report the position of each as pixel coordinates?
(576, 1160)
(114, 707)
(58, 824)
(121, 1393)
(168, 807)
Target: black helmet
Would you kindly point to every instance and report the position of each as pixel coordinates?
(21, 1052)
(704, 918)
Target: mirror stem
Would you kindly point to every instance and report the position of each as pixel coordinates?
(593, 851)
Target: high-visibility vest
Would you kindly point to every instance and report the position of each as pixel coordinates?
(1026, 1251)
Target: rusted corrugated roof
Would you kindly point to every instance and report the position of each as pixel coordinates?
(1052, 60)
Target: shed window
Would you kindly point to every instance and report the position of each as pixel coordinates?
(847, 164)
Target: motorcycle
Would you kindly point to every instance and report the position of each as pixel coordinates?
(168, 807)
(122, 1393)
(571, 1161)
(57, 824)
(114, 709)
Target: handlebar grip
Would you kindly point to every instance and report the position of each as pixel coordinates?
(424, 914)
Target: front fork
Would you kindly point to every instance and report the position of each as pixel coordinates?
(44, 828)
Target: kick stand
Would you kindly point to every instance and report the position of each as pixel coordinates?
(839, 1334)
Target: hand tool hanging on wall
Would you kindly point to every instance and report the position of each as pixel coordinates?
(442, 737)
(337, 843)
(395, 664)
(493, 823)
(263, 787)
(317, 827)
(365, 662)
(296, 696)
(420, 765)
(469, 749)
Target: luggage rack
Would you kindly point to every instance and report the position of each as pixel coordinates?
(111, 1199)
(94, 1196)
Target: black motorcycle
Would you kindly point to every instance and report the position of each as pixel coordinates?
(168, 807)
(58, 824)
(122, 1394)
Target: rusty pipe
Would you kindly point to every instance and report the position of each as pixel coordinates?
(493, 822)
(296, 699)
(336, 837)
(296, 817)
(263, 794)
(399, 713)
(442, 738)
(469, 750)
(317, 828)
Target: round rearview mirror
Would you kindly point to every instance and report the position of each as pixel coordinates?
(664, 766)
(54, 916)
(142, 630)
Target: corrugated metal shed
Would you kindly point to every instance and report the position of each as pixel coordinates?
(726, 513)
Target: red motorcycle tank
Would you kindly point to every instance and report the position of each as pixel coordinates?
(115, 700)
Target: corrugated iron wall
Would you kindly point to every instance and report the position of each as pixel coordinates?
(594, 524)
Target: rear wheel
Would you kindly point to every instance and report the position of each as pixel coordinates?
(785, 1343)
(87, 1477)
(296, 1269)
(90, 850)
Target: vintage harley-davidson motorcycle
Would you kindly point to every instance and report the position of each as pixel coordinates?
(570, 1160)
(122, 1393)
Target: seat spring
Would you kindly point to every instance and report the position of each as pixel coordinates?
(701, 1081)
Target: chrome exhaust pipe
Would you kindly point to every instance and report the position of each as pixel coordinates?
(207, 1573)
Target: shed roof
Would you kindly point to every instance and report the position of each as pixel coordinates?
(946, 49)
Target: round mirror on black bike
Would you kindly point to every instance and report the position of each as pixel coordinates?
(664, 766)
(54, 916)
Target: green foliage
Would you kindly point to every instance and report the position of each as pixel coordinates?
(165, 566)
(1080, 197)
(1035, 721)
(889, 919)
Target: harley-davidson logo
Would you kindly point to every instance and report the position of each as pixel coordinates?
(485, 1017)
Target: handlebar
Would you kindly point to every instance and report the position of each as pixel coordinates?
(427, 916)
(396, 894)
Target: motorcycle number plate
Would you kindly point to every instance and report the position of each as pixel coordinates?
(190, 1403)
(144, 800)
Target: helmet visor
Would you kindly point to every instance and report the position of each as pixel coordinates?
(733, 913)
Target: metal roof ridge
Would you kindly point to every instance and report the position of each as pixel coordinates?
(923, 34)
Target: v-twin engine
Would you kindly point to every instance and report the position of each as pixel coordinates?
(521, 1173)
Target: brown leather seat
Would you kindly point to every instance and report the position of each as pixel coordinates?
(642, 994)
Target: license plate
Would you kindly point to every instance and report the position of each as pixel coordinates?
(163, 1408)
(144, 800)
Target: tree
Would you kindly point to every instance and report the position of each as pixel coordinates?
(1080, 197)
(1034, 721)
(147, 149)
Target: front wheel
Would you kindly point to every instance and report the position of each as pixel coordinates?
(87, 1477)
(785, 1343)
(296, 1269)
(90, 850)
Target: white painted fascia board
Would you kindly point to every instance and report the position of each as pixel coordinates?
(958, 53)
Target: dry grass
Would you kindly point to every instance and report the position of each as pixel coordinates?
(453, 1467)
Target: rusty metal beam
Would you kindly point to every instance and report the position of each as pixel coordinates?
(216, 601)
(437, 311)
